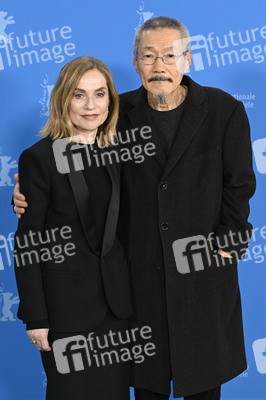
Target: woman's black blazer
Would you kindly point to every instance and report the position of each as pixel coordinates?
(73, 294)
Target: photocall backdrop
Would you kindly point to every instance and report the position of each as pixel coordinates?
(36, 40)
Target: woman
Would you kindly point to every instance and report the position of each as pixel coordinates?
(70, 268)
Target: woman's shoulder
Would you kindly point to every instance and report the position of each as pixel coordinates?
(43, 144)
(43, 147)
(41, 151)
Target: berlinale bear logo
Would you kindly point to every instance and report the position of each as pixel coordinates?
(6, 302)
(143, 15)
(5, 167)
(3, 24)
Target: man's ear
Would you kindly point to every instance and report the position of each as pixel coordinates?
(188, 61)
(135, 62)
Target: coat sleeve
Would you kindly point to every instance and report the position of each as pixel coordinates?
(238, 185)
(35, 185)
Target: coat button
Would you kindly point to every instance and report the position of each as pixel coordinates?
(164, 226)
(164, 186)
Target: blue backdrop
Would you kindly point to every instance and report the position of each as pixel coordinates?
(36, 39)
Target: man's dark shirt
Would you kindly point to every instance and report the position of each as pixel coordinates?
(166, 123)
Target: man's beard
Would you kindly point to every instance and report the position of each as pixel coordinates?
(161, 97)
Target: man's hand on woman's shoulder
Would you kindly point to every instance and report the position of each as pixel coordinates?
(19, 199)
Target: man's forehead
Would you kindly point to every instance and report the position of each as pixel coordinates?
(164, 39)
(161, 32)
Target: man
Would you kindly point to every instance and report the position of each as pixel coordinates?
(194, 191)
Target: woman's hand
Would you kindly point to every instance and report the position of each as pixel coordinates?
(40, 335)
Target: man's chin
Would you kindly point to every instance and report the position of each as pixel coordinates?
(159, 96)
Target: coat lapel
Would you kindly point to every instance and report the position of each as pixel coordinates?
(83, 201)
(195, 112)
(139, 118)
(113, 209)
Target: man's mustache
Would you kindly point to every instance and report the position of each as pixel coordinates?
(160, 78)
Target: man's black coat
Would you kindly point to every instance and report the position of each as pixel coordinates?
(204, 186)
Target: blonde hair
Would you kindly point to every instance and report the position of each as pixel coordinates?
(59, 124)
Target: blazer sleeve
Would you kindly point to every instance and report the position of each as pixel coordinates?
(239, 185)
(35, 185)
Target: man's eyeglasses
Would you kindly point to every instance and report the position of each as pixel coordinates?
(149, 59)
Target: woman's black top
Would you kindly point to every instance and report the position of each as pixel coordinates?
(100, 187)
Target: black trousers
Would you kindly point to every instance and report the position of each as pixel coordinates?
(96, 380)
(213, 394)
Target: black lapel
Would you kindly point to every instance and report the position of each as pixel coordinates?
(140, 118)
(194, 113)
(83, 201)
(113, 209)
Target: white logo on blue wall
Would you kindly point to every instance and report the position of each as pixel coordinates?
(259, 349)
(7, 300)
(44, 382)
(143, 15)
(34, 47)
(221, 50)
(200, 52)
(259, 149)
(4, 22)
(6, 249)
(45, 99)
(6, 165)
